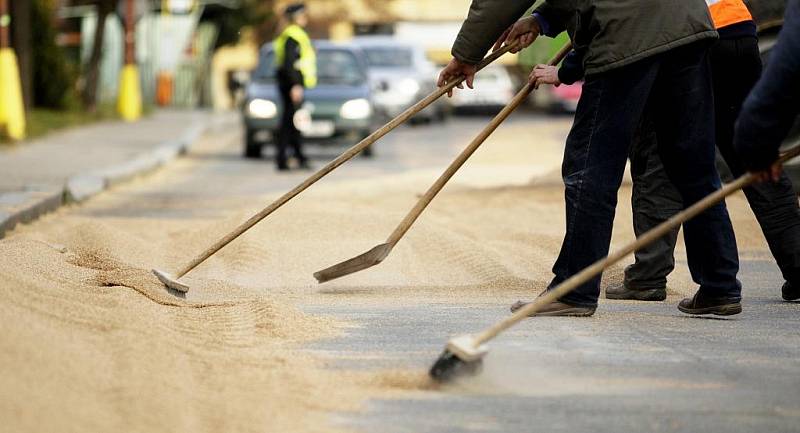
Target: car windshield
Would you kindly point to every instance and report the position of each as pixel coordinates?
(388, 57)
(334, 66)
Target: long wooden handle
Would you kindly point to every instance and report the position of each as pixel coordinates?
(599, 266)
(341, 159)
(437, 186)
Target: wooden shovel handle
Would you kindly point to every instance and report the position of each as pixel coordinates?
(647, 238)
(341, 159)
(437, 186)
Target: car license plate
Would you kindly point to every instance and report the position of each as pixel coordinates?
(320, 129)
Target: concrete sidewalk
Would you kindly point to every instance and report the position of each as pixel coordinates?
(41, 175)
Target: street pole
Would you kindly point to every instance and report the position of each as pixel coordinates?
(5, 22)
(129, 102)
(130, 34)
(12, 109)
(21, 40)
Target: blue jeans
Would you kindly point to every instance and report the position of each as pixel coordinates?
(675, 87)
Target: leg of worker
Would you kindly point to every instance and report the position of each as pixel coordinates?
(287, 128)
(684, 117)
(296, 140)
(654, 200)
(594, 162)
(774, 203)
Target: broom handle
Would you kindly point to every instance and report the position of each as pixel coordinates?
(437, 186)
(341, 159)
(642, 241)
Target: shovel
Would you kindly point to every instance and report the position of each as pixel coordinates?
(380, 252)
(464, 354)
(172, 281)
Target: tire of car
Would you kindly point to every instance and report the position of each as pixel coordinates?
(252, 148)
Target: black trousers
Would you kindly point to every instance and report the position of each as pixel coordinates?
(735, 66)
(675, 87)
(288, 135)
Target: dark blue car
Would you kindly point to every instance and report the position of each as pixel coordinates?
(338, 110)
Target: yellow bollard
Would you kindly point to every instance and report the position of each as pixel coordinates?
(12, 109)
(129, 101)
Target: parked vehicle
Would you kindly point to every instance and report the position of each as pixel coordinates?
(493, 89)
(557, 100)
(339, 109)
(400, 75)
(564, 98)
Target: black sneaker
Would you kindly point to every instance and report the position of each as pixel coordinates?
(622, 292)
(717, 306)
(790, 292)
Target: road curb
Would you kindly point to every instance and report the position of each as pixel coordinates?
(80, 187)
(26, 206)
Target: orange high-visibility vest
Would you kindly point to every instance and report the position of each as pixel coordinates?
(727, 12)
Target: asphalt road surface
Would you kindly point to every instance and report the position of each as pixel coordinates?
(488, 240)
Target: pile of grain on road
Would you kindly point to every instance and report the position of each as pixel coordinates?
(485, 245)
(92, 351)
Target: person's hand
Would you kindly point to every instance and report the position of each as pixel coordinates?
(524, 31)
(455, 70)
(771, 174)
(296, 94)
(544, 74)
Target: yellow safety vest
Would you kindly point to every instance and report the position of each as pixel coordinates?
(307, 63)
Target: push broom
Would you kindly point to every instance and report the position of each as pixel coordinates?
(378, 253)
(173, 281)
(464, 354)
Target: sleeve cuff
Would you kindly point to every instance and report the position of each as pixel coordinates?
(563, 76)
(543, 24)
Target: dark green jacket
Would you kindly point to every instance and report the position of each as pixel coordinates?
(612, 33)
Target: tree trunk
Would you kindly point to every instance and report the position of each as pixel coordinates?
(92, 75)
(21, 40)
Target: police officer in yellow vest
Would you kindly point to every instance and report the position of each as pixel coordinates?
(296, 65)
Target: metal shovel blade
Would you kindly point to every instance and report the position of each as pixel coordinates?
(358, 263)
(170, 282)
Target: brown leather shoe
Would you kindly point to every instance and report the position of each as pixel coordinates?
(557, 309)
(717, 306)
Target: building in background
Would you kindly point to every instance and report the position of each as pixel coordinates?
(186, 60)
(432, 24)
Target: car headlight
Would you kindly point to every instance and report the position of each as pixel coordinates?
(262, 109)
(356, 109)
(408, 86)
